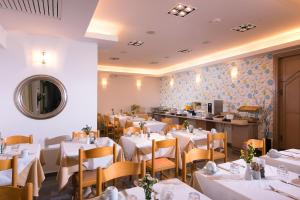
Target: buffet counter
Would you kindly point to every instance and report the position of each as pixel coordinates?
(237, 133)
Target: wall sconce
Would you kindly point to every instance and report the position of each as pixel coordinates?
(234, 72)
(43, 58)
(172, 82)
(138, 84)
(104, 83)
(198, 78)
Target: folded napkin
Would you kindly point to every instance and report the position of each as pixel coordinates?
(273, 153)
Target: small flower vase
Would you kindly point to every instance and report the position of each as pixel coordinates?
(148, 193)
(248, 172)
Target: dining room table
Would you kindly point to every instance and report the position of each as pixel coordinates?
(124, 118)
(68, 157)
(289, 158)
(229, 183)
(164, 190)
(188, 140)
(152, 125)
(138, 147)
(29, 166)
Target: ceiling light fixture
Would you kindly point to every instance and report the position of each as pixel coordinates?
(181, 10)
(153, 63)
(184, 50)
(244, 27)
(114, 58)
(136, 43)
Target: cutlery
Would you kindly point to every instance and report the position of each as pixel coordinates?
(292, 152)
(291, 156)
(228, 170)
(243, 166)
(282, 193)
(290, 183)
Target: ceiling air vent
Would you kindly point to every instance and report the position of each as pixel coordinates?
(48, 8)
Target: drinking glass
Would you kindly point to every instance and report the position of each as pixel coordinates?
(234, 168)
(194, 196)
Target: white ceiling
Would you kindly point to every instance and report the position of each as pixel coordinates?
(133, 18)
(75, 18)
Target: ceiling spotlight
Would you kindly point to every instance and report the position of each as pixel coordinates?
(184, 51)
(114, 58)
(153, 63)
(215, 20)
(136, 43)
(206, 42)
(150, 32)
(181, 10)
(244, 27)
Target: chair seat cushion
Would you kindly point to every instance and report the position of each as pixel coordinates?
(89, 178)
(161, 164)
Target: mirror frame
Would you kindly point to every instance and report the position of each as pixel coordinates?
(19, 102)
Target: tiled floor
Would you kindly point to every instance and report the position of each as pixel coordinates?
(49, 190)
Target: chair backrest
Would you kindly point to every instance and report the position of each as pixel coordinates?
(106, 119)
(164, 144)
(174, 126)
(145, 116)
(134, 130)
(18, 139)
(128, 124)
(117, 122)
(167, 120)
(117, 170)
(193, 155)
(16, 193)
(11, 164)
(93, 153)
(258, 144)
(56, 140)
(77, 134)
(211, 138)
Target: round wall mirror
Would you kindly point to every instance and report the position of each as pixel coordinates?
(40, 97)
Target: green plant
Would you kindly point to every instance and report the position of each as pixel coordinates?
(186, 124)
(147, 183)
(248, 155)
(142, 125)
(87, 129)
(135, 108)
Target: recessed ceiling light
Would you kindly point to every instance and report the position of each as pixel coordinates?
(244, 27)
(123, 52)
(114, 58)
(184, 50)
(150, 32)
(181, 10)
(166, 57)
(153, 62)
(215, 20)
(136, 43)
(206, 42)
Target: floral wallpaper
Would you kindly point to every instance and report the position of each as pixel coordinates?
(253, 85)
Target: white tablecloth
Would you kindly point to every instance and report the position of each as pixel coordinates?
(68, 158)
(29, 168)
(188, 141)
(138, 147)
(124, 118)
(289, 158)
(234, 187)
(180, 190)
(152, 125)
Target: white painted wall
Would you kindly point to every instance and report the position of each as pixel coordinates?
(121, 92)
(73, 63)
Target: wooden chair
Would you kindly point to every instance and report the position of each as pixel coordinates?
(100, 123)
(16, 193)
(11, 164)
(134, 130)
(88, 177)
(191, 156)
(258, 144)
(118, 129)
(167, 120)
(108, 126)
(128, 124)
(18, 139)
(161, 164)
(216, 155)
(170, 127)
(78, 134)
(118, 170)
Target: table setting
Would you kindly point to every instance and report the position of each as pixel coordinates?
(152, 125)
(171, 189)
(68, 157)
(290, 158)
(232, 181)
(29, 165)
(124, 118)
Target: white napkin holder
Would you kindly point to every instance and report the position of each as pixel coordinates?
(211, 167)
(111, 193)
(273, 153)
